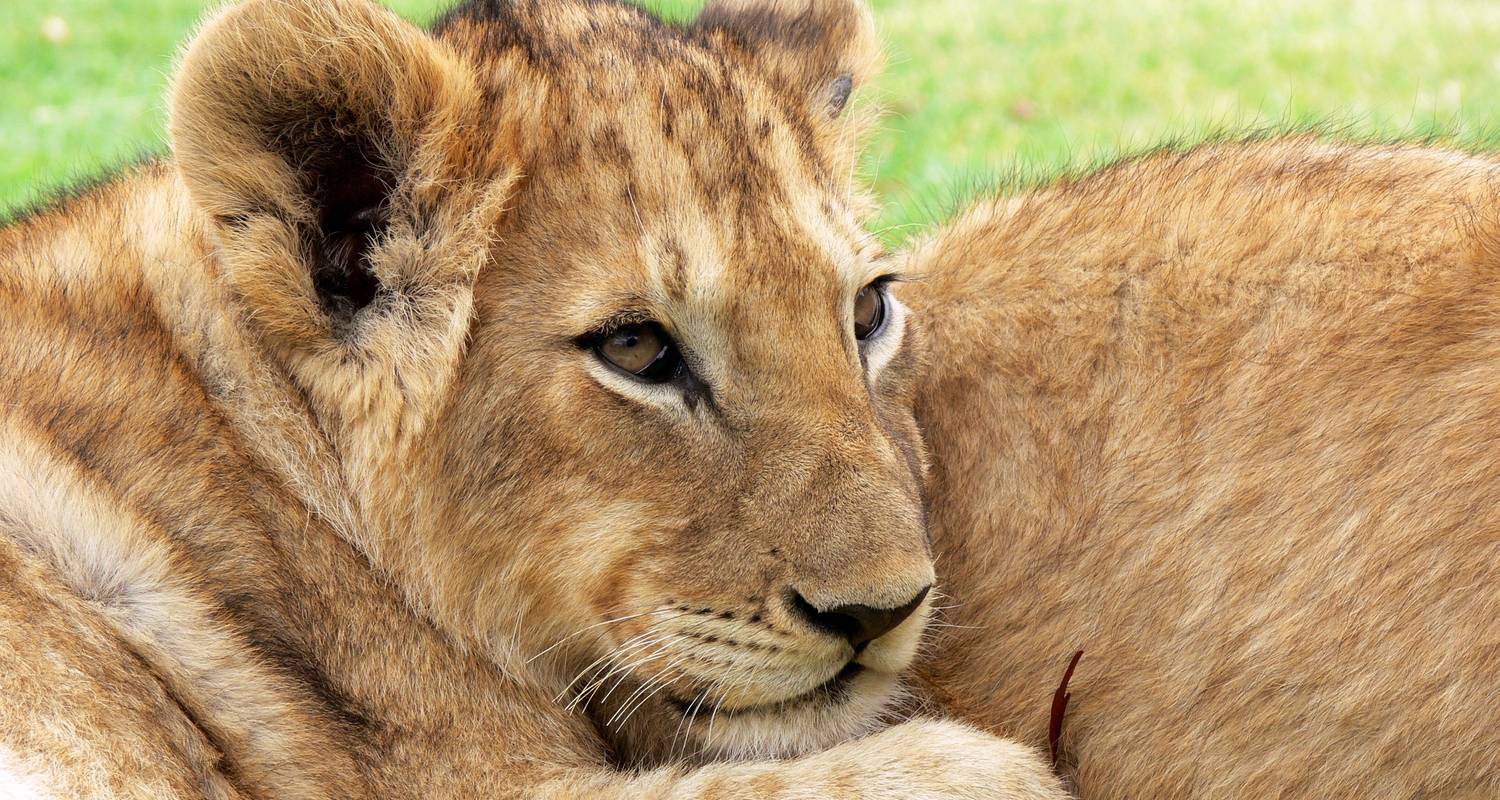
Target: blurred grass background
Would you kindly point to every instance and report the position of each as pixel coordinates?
(978, 91)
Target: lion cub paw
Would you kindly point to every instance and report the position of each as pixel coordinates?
(923, 760)
(939, 759)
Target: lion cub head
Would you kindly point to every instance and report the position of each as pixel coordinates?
(582, 301)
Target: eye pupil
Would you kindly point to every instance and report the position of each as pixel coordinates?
(643, 350)
(869, 311)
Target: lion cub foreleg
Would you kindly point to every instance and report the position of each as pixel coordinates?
(912, 761)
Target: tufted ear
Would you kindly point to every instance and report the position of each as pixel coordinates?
(332, 147)
(824, 48)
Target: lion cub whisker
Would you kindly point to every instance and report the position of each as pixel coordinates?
(641, 642)
(586, 629)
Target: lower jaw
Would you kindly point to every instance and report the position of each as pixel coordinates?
(833, 691)
(854, 705)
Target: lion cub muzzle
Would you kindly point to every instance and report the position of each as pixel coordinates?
(786, 619)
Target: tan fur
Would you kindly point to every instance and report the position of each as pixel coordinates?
(1225, 420)
(274, 533)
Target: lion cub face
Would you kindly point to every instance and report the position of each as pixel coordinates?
(619, 381)
(692, 375)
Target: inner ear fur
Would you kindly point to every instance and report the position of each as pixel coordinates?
(320, 137)
(824, 48)
(342, 158)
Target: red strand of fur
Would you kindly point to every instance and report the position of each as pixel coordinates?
(1059, 707)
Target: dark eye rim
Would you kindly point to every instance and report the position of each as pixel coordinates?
(667, 366)
(883, 313)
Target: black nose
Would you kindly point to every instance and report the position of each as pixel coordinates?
(860, 624)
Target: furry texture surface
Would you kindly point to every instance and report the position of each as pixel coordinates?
(1224, 419)
(313, 486)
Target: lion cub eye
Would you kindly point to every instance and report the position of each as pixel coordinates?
(869, 310)
(643, 350)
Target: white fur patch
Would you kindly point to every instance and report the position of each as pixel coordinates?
(883, 347)
(20, 781)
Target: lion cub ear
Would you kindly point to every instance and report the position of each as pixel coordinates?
(339, 155)
(823, 48)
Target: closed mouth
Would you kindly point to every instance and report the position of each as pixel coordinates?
(833, 690)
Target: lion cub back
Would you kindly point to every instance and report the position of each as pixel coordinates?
(1225, 420)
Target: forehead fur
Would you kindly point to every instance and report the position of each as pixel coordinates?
(733, 77)
(689, 168)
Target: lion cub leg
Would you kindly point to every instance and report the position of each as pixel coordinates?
(913, 761)
(80, 716)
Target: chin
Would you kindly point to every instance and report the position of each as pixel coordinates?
(854, 703)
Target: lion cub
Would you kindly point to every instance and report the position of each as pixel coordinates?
(452, 398)
(1226, 421)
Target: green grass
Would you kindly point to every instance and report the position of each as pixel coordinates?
(977, 90)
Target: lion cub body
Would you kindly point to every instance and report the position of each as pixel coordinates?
(179, 618)
(315, 482)
(1225, 420)
(322, 475)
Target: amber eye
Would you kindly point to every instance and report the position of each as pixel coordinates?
(643, 350)
(869, 310)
